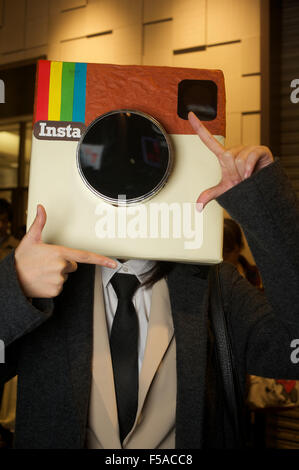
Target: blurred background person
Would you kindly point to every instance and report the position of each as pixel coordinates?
(7, 241)
(233, 244)
(8, 393)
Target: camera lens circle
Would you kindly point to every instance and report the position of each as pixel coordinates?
(125, 157)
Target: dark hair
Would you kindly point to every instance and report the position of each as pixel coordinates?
(160, 270)
(251, 271)
(232, 236)
(5, 208)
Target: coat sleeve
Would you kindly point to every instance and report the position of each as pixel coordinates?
(265, 326)
(18, 316)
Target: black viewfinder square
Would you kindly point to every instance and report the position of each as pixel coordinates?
(199, 96)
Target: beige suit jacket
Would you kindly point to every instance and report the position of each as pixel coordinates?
(154, 427)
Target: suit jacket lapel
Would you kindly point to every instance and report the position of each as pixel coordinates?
(160, 334)
(103, 379)
(77, 298)
(188, 289)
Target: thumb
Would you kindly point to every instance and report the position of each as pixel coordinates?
(208, 195)
(35, 231)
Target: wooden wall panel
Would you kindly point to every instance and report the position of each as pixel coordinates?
(1, 13)
(151, 32)
(12, 32)
(285, 117)
(188, 32)
(250, 19)
(251, 129)
(36, 9)
(68, 25)
(251, 56)
(232, 20)
(155, 10)
(68, 4)
(223, 22)
(251, 93)
(103, 15)
(189, 23)
(54, 7)
(128, 45)
(227, 58)
(188, 8)
(71, 51)
(107, 48)
(192, 59)
(99, 49)
(157, 48)
(233, 129)
(98, 17)
(36, 27)
(36, 33)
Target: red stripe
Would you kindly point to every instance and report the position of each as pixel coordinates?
(42, 90)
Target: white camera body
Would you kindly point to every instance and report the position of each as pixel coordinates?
(117, 165)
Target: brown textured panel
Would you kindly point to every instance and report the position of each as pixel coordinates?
(149, 89)
(284, 67)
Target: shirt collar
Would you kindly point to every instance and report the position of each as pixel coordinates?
(138, 267)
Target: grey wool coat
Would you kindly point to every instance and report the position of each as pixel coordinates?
(49, 344)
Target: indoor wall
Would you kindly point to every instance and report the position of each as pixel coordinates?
(220, 34)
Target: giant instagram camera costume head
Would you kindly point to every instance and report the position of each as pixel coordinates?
(110, 143)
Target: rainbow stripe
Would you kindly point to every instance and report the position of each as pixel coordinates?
(61, 91)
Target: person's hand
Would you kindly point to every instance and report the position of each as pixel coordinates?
(237, 163)
(42, 269)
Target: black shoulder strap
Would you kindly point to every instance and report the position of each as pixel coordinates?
(233, 396)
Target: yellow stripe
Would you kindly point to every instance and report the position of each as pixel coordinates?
(55, 91)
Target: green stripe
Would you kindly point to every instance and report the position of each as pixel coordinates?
(67, 91)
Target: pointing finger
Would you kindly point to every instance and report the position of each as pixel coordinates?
(207, 138)
(81, 256)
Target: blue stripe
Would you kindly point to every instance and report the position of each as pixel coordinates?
(79, 93)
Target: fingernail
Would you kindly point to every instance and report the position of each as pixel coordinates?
(199, 206)
(111, 264)
(248, 172)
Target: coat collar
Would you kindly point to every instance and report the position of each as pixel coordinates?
(78, 300)
(188, 290)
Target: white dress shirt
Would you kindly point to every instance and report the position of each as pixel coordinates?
(141, 298)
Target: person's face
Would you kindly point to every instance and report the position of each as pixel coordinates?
(4, 224)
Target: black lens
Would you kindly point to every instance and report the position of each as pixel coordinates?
(125, 153)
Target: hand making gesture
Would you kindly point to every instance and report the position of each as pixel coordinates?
(42, 269)
(237, 163)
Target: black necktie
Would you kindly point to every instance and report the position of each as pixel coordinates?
(124, 351)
